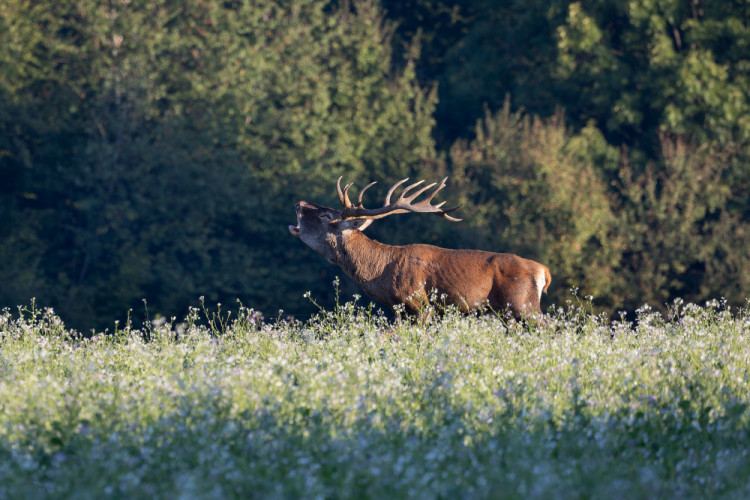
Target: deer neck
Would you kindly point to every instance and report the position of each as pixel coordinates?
(362, 259)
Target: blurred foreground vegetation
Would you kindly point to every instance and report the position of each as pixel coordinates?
(348, 405)
(155, 150)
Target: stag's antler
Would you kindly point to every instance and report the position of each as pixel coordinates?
(402, 205)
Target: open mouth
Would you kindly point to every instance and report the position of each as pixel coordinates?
(294, 230)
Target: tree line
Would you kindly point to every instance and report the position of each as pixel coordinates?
(155, 150)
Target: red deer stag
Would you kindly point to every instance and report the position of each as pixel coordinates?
(468, 279)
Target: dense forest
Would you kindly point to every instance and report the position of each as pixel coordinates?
(153, 151)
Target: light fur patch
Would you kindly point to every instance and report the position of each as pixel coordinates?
(541, 280)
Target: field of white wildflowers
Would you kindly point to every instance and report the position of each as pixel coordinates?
(350, 405)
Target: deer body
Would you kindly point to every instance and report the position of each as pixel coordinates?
(468, 278)
(393, 275)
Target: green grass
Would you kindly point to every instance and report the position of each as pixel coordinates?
(349, 405)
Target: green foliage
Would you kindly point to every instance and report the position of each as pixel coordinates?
(660, 230)
(663, 82)
(156, 150)
(634, 67)
(681, 236)
(659, 66)
(480, 51)
(538, 190)
(348, 405)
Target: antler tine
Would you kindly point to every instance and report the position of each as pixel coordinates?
(409, 199)
(433, 193)
(342, 198)
(406, 190)
(343, 195)
(390, 191)
(359, 198)
(444, 213)
(346, 194)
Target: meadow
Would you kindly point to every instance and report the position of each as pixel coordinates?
(350, 404)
